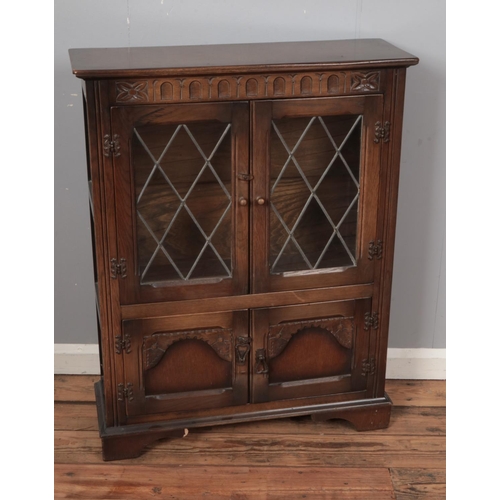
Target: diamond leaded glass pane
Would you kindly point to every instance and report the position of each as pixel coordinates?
(182, 176)
(315, 176)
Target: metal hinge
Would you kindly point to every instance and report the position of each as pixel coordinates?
(118, 269)
(375, 249)
(111, 146)
(382, 132)
(368, 367)
(122, 344)
(125, 393)
(371, 321)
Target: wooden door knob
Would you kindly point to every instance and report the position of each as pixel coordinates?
(261, 200)
(243, 202)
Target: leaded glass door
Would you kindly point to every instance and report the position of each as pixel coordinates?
(316, 185)
(181, 192)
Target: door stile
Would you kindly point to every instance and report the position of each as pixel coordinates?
(259, 382)
(261, 113)
(241, 196)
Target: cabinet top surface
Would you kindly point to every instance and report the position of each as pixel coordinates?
(252, 57)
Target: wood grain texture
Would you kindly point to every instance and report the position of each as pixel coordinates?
(417, 392)
(233, 58)
(74, 388)
(139, 481)
(288, 459)
(411, 484)
(216, 448)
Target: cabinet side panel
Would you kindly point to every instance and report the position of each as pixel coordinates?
(391, 153)
(100, 240)
(114, 374)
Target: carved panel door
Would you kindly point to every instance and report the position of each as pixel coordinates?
(181, 185)
(316, 164)
(185, 363)
(310, 350)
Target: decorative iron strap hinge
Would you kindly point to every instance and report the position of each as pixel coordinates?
(111, 146)
(368, 367)
(122, 344)
(118, 269)
(375, 249)
(371, 321)
(125, 393)
(382, 132)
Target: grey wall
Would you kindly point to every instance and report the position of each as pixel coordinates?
(418, 305)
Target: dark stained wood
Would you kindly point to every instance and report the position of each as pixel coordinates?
(394, 113)
(157, 207)
(185, 363)
(404, 393)
(311, 350)
(251, 301)
(317, 234)
(233, 58)
(193, 352)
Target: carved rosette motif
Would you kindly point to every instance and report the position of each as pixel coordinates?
(132, 91)
(365, 82)
(155, 346)
(342, 328)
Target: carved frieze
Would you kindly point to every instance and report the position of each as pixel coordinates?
(155, 346)
(253, 86)
(342, 328)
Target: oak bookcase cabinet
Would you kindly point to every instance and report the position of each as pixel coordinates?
(243, 202)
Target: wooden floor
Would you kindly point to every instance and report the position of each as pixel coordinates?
(281, 459)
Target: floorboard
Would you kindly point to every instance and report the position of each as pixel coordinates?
(292, 458)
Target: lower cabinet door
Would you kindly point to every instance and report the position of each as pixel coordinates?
(185, 363)
(309, 350)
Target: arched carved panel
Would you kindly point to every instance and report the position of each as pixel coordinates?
(279, 335)
(155, 346)
(167, 91)
(279, 86)
(195, 90)
(333, 84)
(224, 89)
(252, 87)
(312, 352)
(306, 85)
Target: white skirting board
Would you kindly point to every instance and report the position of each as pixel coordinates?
(424, 364)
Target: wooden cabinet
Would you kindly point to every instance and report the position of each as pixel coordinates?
(243, 211)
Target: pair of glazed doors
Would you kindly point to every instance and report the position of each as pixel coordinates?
(238, 198)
